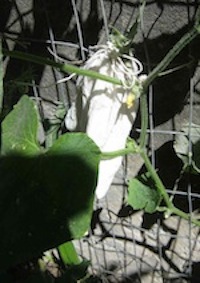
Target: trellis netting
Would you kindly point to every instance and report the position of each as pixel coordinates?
(127, 245)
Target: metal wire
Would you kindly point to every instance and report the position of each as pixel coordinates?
(104, 19)
(79, 30)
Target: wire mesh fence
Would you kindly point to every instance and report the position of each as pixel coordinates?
(124, 245)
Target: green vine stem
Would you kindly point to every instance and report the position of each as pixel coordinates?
(144, 119)
(113, 154)
(63, 67)
(185, 40)
(171, 209)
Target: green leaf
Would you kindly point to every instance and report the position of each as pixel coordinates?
(68, 253)
(20, 128)
(142, 196)
(187, 147)
(46, 200)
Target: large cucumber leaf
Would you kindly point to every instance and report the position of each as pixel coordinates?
(46, 199)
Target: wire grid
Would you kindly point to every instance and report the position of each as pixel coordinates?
(125, 245)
